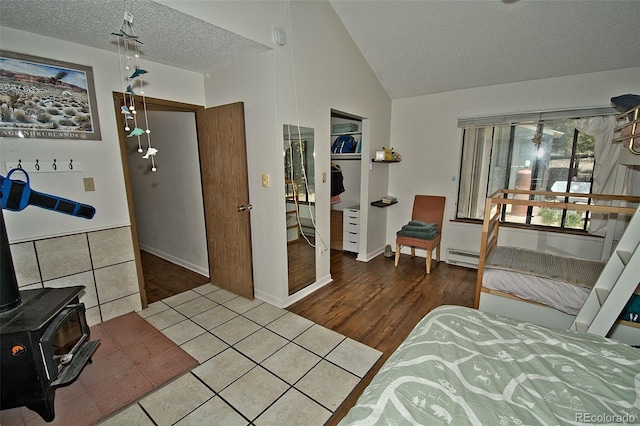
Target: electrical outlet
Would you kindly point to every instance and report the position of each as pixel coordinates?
(266, 180)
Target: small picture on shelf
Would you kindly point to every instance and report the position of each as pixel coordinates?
(379, 155)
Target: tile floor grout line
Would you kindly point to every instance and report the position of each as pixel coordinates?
(272, 403)
(141, 407)
(235, 409)
(287, 340)
(226, 307)
(322, 358)
(304, 393)
(237, 378)
(259, 364)
(216, 394)
(344, 338)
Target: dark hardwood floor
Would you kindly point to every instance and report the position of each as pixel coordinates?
(378, 304)
(163, 279)
(372, 302)
(301, 264)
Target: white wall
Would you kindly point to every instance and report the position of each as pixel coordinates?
(424, 131)
(168, 203)
(99, 159)
(253, 82)
(319, 69)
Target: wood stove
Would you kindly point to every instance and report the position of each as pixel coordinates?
(44, 344)
(44, 340)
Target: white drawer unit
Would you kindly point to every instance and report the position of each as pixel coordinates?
(351, 229)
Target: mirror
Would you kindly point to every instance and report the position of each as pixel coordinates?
(300, 200)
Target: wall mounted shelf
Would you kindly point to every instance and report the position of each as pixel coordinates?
(380, 204)
(385, 161)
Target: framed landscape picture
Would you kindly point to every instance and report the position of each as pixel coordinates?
(47, 99)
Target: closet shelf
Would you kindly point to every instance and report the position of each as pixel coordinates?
(351, 156)
(346, 133)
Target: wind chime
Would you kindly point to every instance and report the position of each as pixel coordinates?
(132, 80)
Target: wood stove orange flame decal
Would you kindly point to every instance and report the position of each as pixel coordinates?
(18, 350)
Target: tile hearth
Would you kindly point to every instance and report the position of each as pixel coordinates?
(258, 364)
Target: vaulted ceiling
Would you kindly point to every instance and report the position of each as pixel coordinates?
(414, 47)
(424, 47)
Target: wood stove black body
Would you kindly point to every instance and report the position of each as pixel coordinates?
(44, 344)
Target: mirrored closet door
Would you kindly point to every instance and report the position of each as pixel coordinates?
(300, 200)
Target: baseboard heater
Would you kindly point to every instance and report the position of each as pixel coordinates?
(463, 258)
(307, 227)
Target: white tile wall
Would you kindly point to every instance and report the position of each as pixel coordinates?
(110, 246)
(116, 281)
(62, 256)
(120, 307)
(102, 261)
(88, 296)
(25, 263)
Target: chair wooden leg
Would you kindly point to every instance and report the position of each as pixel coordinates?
(438, 253)
(413, 251)
(397, 254)
(428, 261)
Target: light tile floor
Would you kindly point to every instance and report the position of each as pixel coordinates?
(258, 364)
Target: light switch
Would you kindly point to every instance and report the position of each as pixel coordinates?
(266, 181)
(88, 184)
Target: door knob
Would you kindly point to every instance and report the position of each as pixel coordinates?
(242, 207)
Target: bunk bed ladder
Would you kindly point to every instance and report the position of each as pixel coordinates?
(615, 285)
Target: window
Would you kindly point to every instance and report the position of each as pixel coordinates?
(546, 155)
(299, 167)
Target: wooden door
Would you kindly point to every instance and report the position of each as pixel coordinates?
(225, 192)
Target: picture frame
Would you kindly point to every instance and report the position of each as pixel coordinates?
(46, 99)
(379, 156)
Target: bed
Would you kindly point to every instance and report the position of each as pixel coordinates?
(461, 366)
(535, 286)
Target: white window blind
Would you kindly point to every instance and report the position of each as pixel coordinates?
(534, 117)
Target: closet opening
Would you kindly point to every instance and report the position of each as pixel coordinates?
(346, 144)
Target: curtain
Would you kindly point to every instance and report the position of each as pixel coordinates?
(606, 156)
(606, 153)
(606, 161)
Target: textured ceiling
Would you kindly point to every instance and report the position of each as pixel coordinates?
(170, 37)
(414, 47)
(425, 47)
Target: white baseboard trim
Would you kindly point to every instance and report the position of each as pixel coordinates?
(173, 259)
(370, 255)
(299, 295)
(283, 303)
(268, 298)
